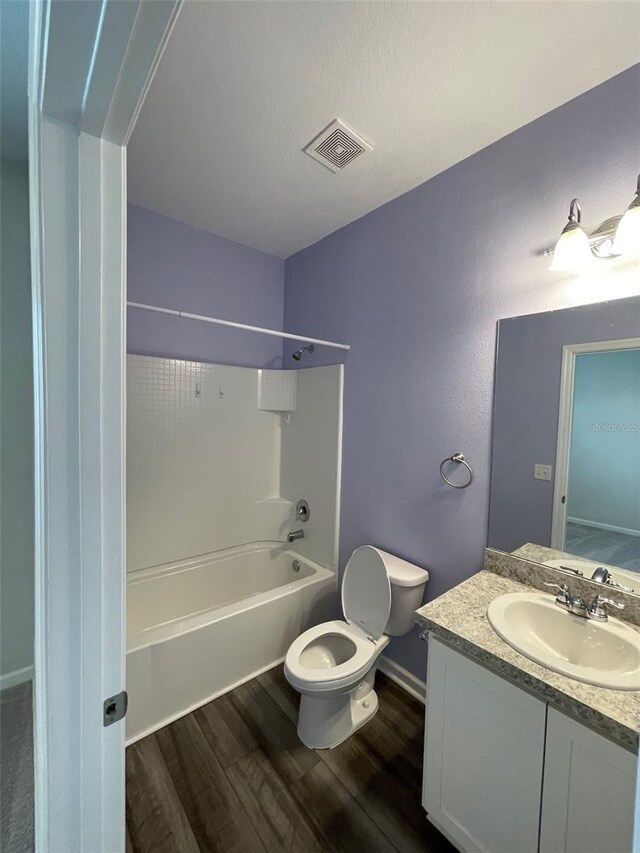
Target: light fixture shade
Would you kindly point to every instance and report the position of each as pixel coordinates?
(627, 238)
(572, 252)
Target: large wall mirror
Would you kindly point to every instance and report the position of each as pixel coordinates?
(565, 475)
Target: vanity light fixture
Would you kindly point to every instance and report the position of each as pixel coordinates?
(572, 251)
(627, 239)
(619, 235)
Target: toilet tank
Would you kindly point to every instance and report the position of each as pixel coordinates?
(407, 588)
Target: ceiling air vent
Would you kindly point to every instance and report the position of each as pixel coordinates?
(337, 146)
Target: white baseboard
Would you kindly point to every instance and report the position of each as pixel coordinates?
(628, 531)
(18, 676)
(403, 678)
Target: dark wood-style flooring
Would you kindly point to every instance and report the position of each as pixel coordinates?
(233, 776)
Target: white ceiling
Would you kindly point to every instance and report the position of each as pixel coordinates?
(244, 86)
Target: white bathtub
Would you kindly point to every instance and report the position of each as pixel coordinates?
(198, 628)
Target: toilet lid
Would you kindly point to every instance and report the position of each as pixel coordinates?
(366, 591)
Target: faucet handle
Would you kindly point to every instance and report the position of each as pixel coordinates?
(620, 587)
(564, 596)
(563, 588)
(598, 611)
(571, 571)
(602, 600)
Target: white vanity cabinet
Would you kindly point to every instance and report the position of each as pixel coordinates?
(484, 749)
(503, 773)
(588, 796)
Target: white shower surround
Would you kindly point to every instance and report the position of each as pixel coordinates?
(200, 627)
(217, 456)
(203, 461)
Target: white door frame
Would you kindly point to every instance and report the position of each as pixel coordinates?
(565, 418)
(90, 65)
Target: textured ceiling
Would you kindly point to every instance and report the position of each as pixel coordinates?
(244, 86)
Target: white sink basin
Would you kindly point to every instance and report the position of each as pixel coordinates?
(623, 577)
(606, 654)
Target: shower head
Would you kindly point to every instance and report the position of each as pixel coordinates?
(297, 355)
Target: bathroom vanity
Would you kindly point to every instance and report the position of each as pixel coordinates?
(533, 693)
(518, 758)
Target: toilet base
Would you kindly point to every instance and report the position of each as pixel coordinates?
(327, 721)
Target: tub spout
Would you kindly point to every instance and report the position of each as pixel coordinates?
(295, 534)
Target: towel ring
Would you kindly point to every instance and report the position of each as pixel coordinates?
(457, 457)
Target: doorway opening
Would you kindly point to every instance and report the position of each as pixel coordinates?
(596, 511)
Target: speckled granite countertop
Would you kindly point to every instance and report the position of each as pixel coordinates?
(460, 617)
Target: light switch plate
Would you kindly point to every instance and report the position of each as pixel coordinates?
(542, 472)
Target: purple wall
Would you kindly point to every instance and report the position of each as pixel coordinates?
(173, 265)
(417, 286)
(525, 422)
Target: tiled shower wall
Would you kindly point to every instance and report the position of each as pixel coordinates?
(204, 458)
(203, 462)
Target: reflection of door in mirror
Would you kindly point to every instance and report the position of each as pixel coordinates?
(566, 425)
(596, 510)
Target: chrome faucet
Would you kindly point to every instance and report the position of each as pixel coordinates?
(295, 534)
(598, 611)
(575, 603)
(572, 603)
(602, 575)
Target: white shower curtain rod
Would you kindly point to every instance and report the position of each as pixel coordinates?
(234, 325)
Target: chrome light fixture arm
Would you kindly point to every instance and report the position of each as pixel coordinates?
(616, 236)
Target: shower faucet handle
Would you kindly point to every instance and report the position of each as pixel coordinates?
(302, 511)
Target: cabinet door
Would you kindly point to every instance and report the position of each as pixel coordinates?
(484, 748)
(589, 791)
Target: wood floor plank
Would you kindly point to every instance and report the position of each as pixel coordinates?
(227, 733)
(233, 776)
(403, 713)
(155, 817)
(336, 815)
(282, 693)
(392, 805)
(274, 731)
(396, 757)
(275, 814)
(217, 818)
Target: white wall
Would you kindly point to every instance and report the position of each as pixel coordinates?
(311, 460)
(16, 425)
(225, 467)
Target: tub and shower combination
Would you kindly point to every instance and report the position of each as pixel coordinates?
(218, 459)
(201, 626)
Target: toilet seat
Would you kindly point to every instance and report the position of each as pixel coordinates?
(333, 665)
(366, 591)
(334, 677)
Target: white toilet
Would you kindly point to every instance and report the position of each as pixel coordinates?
(333, 665)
